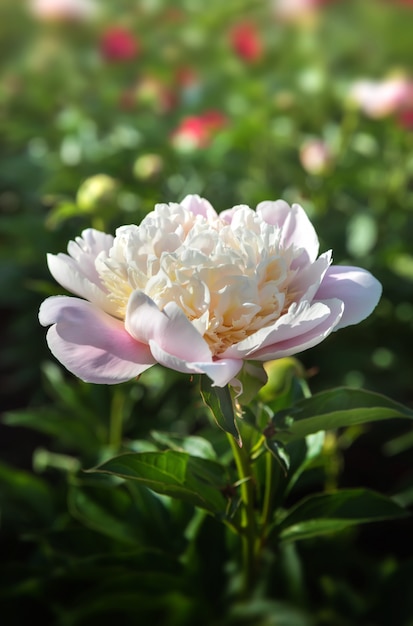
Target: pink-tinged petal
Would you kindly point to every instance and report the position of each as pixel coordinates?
(169, 329)
(199, 206)
(301, 319)
(357, 288)
(306, 282)
(86, 248)
(229, 214)
(70, 275)
(296, 228)
(222, 371)
(171, 361)
(91, 344)
(313, 335)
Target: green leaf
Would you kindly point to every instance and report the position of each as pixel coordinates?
(24, 498)
(333, 409)
(107, 510)
(195, 446)
(176, 474)
(219, 400)
(75, 434)
(331, 512)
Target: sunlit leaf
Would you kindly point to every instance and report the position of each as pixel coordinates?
(331, 512)
(177, 474)
(336, 408)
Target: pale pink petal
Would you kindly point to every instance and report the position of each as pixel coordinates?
(169, 329)
(199, 206)
(77, 272)
(306, 282)
(229, 214)
(293, 343)
(91, 344)
(171, 361)
(86, 248)
(300, 320)
(222, 371)
(69, 275)
(296, 228)
(357, 288)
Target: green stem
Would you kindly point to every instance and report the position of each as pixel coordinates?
(271, 481)
(116, 419)
(248, 526)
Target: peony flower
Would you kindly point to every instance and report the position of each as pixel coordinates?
(62, 10)
(199, 293)
(246, 42)
(119, 44)
(315, 156)
(196, 131)
(297, 11)
(381, 98)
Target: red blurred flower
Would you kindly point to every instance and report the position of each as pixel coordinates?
(405, 117)
(119, 44)
(196, 131)
(246, 42)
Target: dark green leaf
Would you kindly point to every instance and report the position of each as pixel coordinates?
(176, 474)
(330, 512)
(335, 409)
(24, 498)
(219, 400)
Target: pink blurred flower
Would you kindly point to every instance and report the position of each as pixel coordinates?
(315, 156)
(196, 131)
(246, 42)
(382, 97)
(62, 10)
(199, 293)
(119, 44)
(296, 10)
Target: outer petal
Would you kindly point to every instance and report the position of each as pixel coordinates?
(69, 274)
(77, 272)
(199, 206)
(91, 344)
(174, 341)
(357, 288)
(296, 228)
(222, 371)
(86, 248)
(169, 329)
(302, 341)
(303, 326)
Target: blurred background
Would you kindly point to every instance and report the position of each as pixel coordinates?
(107, 108)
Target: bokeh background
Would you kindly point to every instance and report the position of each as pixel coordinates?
(107, 108)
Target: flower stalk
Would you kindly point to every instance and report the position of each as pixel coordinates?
(248, 522)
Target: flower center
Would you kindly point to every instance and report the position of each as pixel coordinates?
(230, 279)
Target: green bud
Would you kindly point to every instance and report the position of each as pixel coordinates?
(280, 375)
(97, 193)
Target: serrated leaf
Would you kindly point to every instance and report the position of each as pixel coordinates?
(331, 512)
(176, 474)
(219, 400)
(336, 408)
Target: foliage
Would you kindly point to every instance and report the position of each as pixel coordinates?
(125, 503)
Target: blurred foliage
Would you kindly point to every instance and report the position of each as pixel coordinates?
(91, 137)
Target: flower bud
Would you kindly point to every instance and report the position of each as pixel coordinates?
(280, 375)
(97, 193)
(147, 166)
